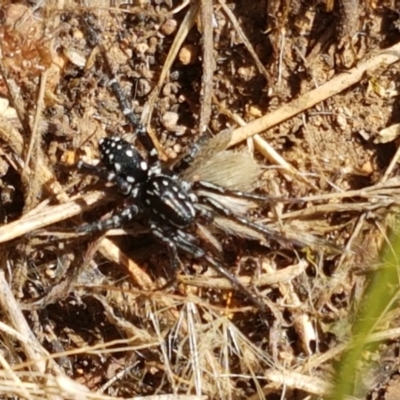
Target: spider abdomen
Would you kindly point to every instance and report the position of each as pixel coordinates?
(123, 159)
(168, 200)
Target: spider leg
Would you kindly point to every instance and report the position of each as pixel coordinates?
(184, 241)
(105, 174)
(304, 240)
(118, 220)
(174, 239)
(123, 102)
(166, 236)
(212, 187)
(246, 222)
(132, 118)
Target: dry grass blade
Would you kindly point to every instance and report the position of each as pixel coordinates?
(294, 380)
(34, 146)
(49, 216)
(34, 351)
(206, 17)
(183, 31)
(285, 275)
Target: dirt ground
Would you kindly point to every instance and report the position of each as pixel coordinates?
(306, 88)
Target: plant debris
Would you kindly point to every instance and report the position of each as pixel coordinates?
(309, 89)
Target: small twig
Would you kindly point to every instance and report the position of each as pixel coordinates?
(48, 216)
(336, 208)
(15, 100)
(246, 41)
(391, 166)
(357, 229)
(294, 380)
(113, 252)
(20, 390)
(283, 275)
(38, 114)
(282, 37)
(34, 351)
(34, 143)
(180, 37)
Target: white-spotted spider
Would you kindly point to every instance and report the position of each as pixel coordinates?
(177, 208)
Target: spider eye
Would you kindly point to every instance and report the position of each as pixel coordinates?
(123, 158)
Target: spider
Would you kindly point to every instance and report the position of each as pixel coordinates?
(179, 210)
(173, 208)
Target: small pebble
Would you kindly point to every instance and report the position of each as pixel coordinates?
(188, 54)
(169, 120)
(169, 27)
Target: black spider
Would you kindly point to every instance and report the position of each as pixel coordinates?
(177, 208)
